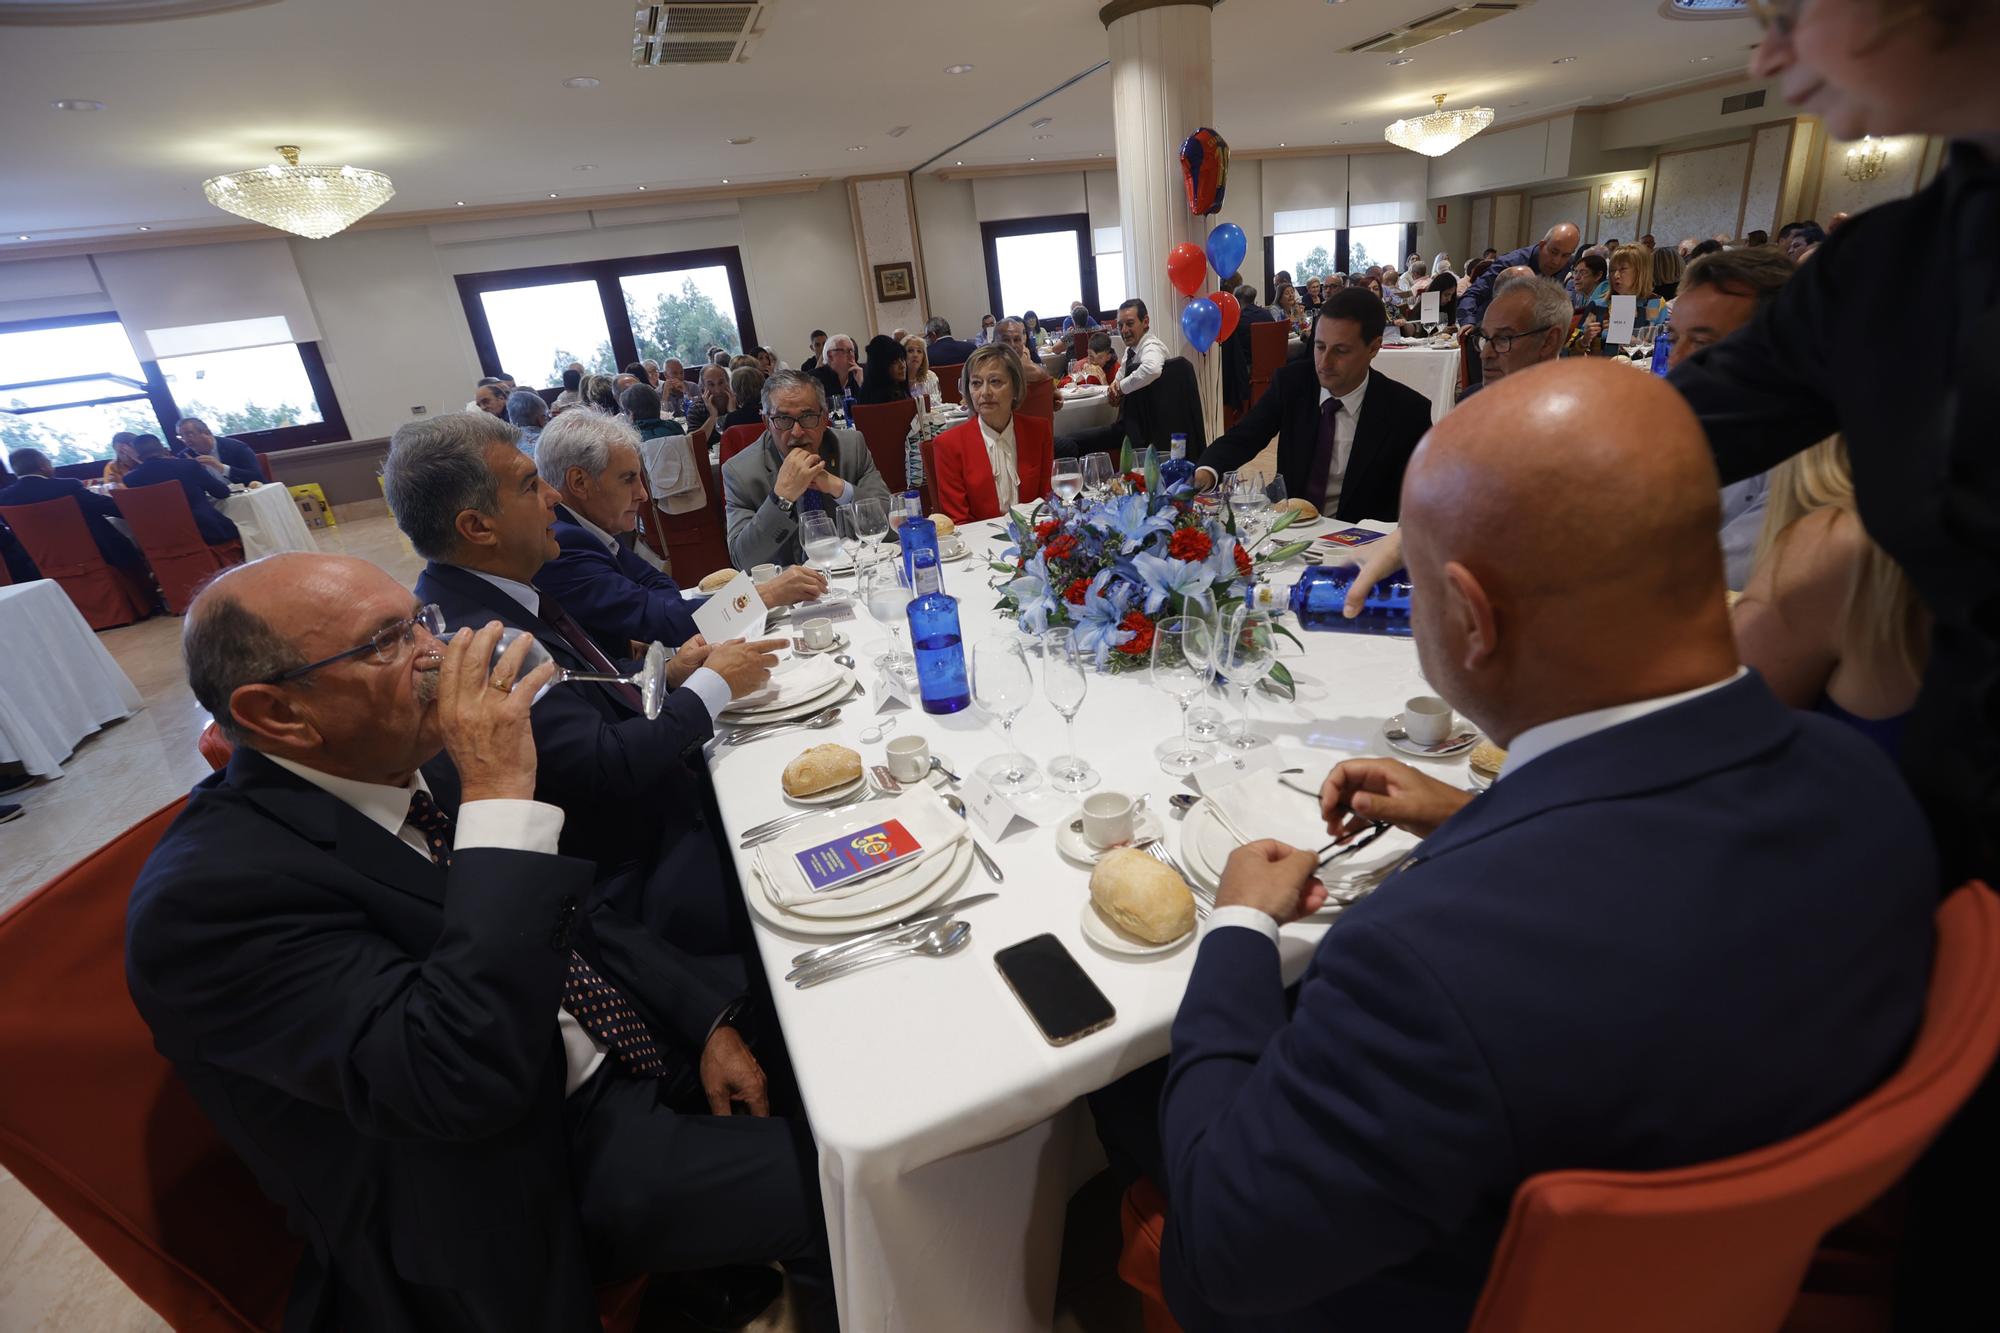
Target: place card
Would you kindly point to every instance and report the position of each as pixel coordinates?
(735, 612)
(990, 812)
(1235, 767)
(892, 691)
(1353, 537)
(1624, 314)
(1430, 308)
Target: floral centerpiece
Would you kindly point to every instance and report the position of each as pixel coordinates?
(1114, 568)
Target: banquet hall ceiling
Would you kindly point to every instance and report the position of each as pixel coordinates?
(459, 100)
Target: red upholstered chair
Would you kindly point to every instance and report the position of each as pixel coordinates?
(928, 450)
(163, 526)
(885, 426)
(214, 746)
(59, 542)
(1267, 354)
(100, 1129)
(738, 438)
(264, 465)
(950, 384)
(1039, 400)
(1720, 1247)
(1079, 343)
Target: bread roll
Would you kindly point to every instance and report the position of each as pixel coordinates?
(945, 527)
(1304, 508)
(717, 581)
(1141, 896)
(1487, 758)
(822, 768)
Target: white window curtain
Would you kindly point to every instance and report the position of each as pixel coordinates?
(1295, 185)
(1003, 198)
(1305, 219)
(210, 292)
(1387, 187)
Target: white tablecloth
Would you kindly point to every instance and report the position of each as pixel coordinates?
(59, 684)
(269, 520)
(1432, 372)
(1082, 414)
(946, 1125)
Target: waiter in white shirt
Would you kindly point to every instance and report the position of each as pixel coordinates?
(1145, 357)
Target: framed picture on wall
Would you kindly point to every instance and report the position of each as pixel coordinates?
(895, 282)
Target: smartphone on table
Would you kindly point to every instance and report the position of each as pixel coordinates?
(1055, 990)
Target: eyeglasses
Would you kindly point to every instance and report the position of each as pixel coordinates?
(387, 644)
(783, 421)
(1503, 343)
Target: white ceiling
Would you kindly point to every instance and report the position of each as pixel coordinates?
(463, 99)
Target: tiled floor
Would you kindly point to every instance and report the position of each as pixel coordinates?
(49, 1281)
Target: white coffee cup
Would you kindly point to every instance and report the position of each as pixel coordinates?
(1108, 819)
(764, 573)
(1427, 719)
(909, 758)
(818, 633)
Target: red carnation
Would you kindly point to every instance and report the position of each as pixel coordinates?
(1047, 529)
(1141, 642)
(1242, 560)
(1074, 594)
(1062, 548)
(1190, 544)
(1137, 480)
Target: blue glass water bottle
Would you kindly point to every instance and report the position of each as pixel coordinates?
(1663, 348)
(934, 634)
(1321, 593)
(916, 534)
(1176, 471)
(847, 408)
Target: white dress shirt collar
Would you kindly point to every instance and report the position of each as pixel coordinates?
(604, 539)
(1350, 402)
(527, 594)
(1535, 742)
(385, 806)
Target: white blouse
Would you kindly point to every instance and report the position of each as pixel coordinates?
(1000, 456)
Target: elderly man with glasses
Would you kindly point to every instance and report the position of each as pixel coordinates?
(1525, 324)
(798, 465)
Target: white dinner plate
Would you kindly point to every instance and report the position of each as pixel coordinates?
(1071, 842)
(831, 795)
(780, 712)
(772, 915)
(1206, 844)
(888, 890)
(1113, 940)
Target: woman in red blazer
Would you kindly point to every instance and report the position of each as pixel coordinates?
(964, 482)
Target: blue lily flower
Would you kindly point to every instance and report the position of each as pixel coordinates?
(1164, 575)
(1104, 605)
(1127, 518)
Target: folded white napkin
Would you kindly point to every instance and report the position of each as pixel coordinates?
(1262, 805)
(793, 680)
(927, 818)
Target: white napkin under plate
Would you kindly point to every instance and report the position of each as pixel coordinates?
(792, 682)
(927, 818)
(1263, 806)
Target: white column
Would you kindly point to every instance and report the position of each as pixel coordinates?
(1162, 90)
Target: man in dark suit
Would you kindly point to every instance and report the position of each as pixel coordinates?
(38, 483)
(943, 349)
(839, 370)
(1345, 430)
(591, 461)
(1662, 938)
(474, 1094)
(236, 460)
(202, 485)
(634, 791)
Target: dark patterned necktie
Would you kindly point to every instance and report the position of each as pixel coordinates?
(1323, 456)
(585, 647)
(603, 1010)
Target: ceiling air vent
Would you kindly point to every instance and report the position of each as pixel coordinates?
(693, 32)
(1444, 23)
(1743, 102)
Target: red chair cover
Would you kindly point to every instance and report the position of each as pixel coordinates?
(1039, 400)
(738, 438)
(885, 426)
(927, 449)
(214, 746)
(163, 526)
(949, 386)
(59, 542)
(264, 465)
(1267, 354)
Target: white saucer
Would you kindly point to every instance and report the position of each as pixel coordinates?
(1113, 940)
(1073, 845)
(831, 796)
(1392, 732)
(963, 551)
(840, 641)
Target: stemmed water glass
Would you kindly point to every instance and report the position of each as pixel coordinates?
(1245, 651)
(1180, 671)
(1204, 722)
(1067, 479)
(1002, 685)
(650, 679)
(1097, 474)
(888, 598)
(1248, 499)
(867, 522)
(1065, 679)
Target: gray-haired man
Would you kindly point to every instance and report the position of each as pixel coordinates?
(798, 465)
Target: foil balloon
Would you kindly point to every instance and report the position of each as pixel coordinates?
(1201, 321)
(1226, 247)
(1205, 171)
(1231, 313)
(1186, 267)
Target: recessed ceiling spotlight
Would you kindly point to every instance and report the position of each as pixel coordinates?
(958, 164)
(584, 166)
(1041, 124)
(642, 187)
(1045, 136)
(725, 180)
(743, 139)
(581, 81)
(77, 104)
(1281, 145)
(958, 69)
(857, 148)
(1402, 60)
(24, 237)
(145, 229)
(1699, 60)
(1031, 159)
(459, 204)
(1563, 60)
(553, 195)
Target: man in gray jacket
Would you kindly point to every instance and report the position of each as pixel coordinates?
(798, 465)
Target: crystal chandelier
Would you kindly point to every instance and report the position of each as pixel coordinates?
(1618, 199)
(306, 201)
(1866, 160)
(1439, 132)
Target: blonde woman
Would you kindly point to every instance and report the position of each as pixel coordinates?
(1630, 274)
(1828, 619)
(922, 379)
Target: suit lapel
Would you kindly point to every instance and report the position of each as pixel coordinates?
(468, 588)
(322, 818)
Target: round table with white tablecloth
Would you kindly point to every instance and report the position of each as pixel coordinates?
(269, 520)
(59, 684)
(948, 1129)
(1431, 371)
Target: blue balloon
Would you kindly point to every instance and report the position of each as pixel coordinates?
(1201, 320)
(1226, 247)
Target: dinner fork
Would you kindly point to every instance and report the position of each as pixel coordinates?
(1159, 853)
(872, 789)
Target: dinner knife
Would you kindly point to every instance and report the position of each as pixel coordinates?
(813, 957)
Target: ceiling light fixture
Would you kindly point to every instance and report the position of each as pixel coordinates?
(748, 138)
(1439, 132)
(553, 194)
(145, 229)
(314, 202)
(725, 180)
(581, 81)
(1563, 60)
(24, 237)
(857, 148)
(1041, 124)
(958, 69)
(1045, 136)
(1699, 60)
(77, 104)
(1402, 60)
(642, 187)
(1866, 160)
(1619, 198)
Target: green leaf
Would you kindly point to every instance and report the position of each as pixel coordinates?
(1285, 630)
(1125, 456)
(1283, 553)
(1281, 678)
(1152, 472)
(1021, 521)
(1285, 520)
(1002, 566)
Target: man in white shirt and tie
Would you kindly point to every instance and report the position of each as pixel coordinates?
(1145, 358)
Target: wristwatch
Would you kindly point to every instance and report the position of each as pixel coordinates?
(784, 505)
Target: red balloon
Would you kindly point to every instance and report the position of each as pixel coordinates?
(1187, 266)
(1231, 312)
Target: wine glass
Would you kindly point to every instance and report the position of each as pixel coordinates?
(819, 533)
(1205, 722)
(1067, 480)
(867, 523)
(1097, 474)
(1180, 671)
(1248, 500)
(1245, 652)
(650, 679)
(1065, 679)
(1002, 685)
(888, 598)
